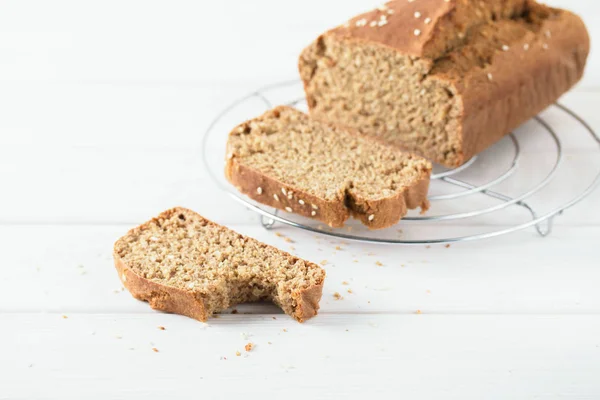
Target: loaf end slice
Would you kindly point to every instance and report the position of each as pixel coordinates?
(289, 161)
(181, 263)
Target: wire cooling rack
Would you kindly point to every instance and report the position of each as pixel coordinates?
(524, 181)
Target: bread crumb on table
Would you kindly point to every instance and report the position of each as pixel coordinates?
(162, 328)
(323, 262)
(350, 291)
(237, 353)
(337, 296)
(418, 312)
(64, 317)
(345, 283)
(154, 349)
(249, 346)
(378, 263)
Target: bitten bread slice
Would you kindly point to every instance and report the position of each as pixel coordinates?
(181, 263)
(289, 161)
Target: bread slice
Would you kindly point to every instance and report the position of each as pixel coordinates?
(181, 263)
(289, 161)
(444, 79)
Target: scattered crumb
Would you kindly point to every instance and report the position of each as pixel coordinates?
(345, 283)
(278, 234)
(65, 317)
(379, 264)
(285, 330)
(338, 248)
(249, 347)
(337, 296)
(292, 248)
(418, 312)
(355, 261)
(402, 265)
(427, 247)
(234, 311)
(154, 349)
(428, 291)
(323, 262)
(287, 239)
(274, 318)
(162, 328)
(269, 343)
(237, 353)
(350, 291)
(447, 246)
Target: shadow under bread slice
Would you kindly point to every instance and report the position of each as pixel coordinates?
(181, 263)
(287, 160)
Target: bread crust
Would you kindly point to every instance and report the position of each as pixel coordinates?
(514, 87)
(192, 304)
(378, 214)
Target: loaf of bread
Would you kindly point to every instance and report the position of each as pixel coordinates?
(182, 263)
(444, 78)
(289, 161)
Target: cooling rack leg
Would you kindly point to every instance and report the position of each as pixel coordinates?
(267, 223)
(545, 228)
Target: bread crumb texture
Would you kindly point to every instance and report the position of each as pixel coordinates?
(186, 264)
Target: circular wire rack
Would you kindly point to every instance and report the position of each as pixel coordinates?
(470, 196)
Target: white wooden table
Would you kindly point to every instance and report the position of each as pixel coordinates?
(102, 106)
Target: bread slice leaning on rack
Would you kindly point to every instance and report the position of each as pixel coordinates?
(289, 161)
(181, 263)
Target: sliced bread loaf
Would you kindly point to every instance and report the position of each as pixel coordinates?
(180, 262)
(445, 79)
(289, 161)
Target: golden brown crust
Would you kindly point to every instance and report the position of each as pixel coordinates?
(529, 77)
(191, 304)
(378, 214)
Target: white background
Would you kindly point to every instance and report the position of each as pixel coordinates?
(102, 109)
